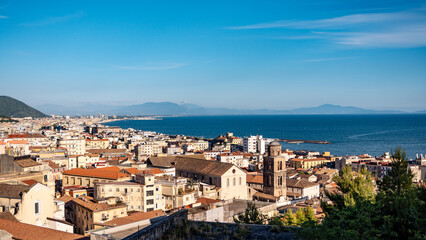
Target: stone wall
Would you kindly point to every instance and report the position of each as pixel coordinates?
(242, 231)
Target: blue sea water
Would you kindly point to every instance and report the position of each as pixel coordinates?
(349, 134)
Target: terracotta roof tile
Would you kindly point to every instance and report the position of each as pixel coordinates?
(92, 205)
(31, 232)
(23, 163)
(207, 200)
(152, 171)
(29, 182)
(192, 164)
(134, 217)
(107, 172)
(12, 191)
(17, 142)
(8, 216)
(258, 179)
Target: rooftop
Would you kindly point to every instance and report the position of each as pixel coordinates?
(25, 231)
(107, 173)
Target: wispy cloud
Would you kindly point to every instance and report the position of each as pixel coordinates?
(393, 29)
(1, 16)
(336, 22)
(53, 20)
(327, 59)
(151, 67)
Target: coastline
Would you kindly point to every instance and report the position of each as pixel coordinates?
(134, 118)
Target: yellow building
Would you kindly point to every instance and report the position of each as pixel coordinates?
(97, 143)
(297, 163)
(85, 212)
(87, 177)
(137, 196)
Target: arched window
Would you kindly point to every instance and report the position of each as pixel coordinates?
(234, 182)
(227, 182)
(240, 181)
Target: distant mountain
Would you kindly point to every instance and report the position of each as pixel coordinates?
(169, 108)
(11, 107)
(153, 108)
(337, 109)
(421, 112)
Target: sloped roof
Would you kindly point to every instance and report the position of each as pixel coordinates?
(65, 198)
(29, 182)
(152, 171)
(8, 216)
(257, 179)
(92, 205)
(12, 191)
(135, 217)
(23, 163)
(204, 200)
(108, 173)
(168, 161)
(131, 170)
(191, 164)
(300, 183)
(17, 142)
(52, 164)
(25, 231)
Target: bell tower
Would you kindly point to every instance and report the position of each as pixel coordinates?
(274, 171)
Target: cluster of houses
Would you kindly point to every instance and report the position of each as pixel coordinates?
(74, 177)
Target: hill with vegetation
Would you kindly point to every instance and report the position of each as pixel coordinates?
(10, 107)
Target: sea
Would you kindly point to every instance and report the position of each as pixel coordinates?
(348, 134)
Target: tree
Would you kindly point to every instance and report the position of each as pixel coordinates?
(399, 201)
(309, 214)
(398, 211)
(250, 216)
(289, 219)
(300, 217)
(276, 220)
(399, 178)
(354, 187)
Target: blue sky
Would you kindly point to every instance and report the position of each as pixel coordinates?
(239, 54)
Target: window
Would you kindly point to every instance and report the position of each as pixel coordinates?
(234, 182)
(150, 193)
(227, 182)
(37, 207)
(240, 181)
(150, 202)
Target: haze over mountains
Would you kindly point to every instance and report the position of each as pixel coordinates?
(11, 107)
(169, 108)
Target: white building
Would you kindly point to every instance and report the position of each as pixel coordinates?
(254, 144)
(74, 146)
(250, 144)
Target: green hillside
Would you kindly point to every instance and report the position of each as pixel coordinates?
(11, 107)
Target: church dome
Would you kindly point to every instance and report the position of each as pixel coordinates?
(274, 143)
